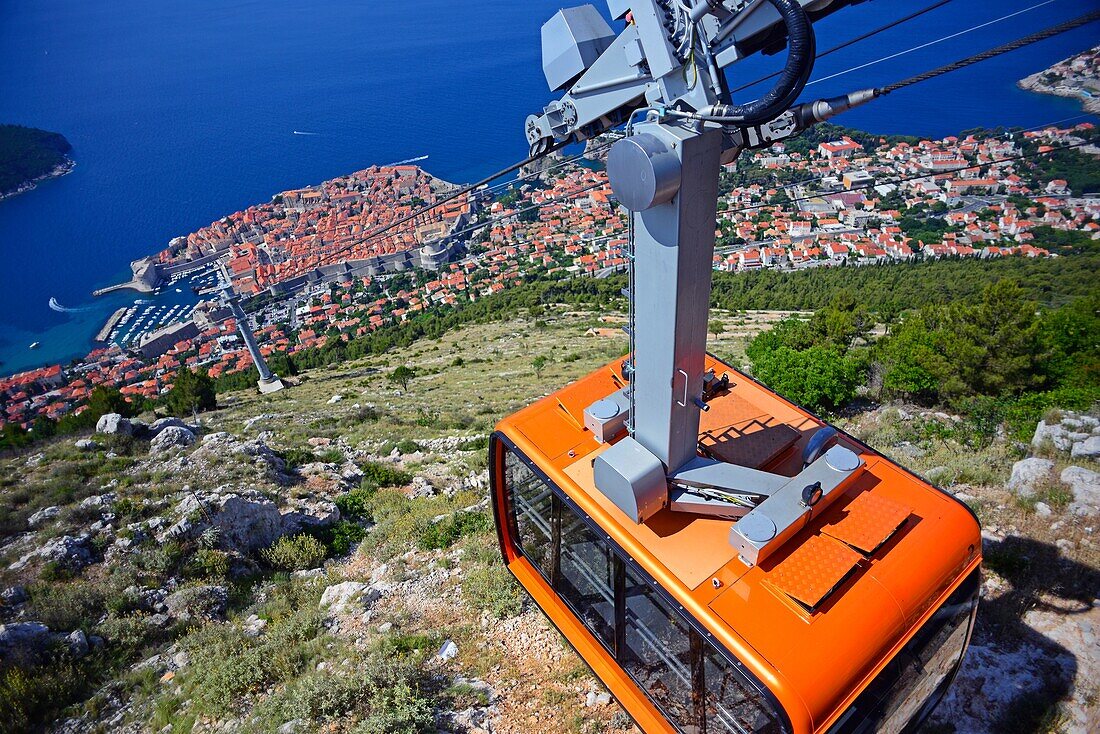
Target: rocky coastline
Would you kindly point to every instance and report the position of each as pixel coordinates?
(1077, 77)
(57, 172)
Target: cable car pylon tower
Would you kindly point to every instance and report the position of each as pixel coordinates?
(269, 382)
(666, 69)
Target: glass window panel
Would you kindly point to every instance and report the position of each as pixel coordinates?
(732, 705)
(657, 652)
(531, 502)
(586, 581)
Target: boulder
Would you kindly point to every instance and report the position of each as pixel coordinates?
(309, 514)
(86, 444)
(246, 523)
(24, 640)
(161, 423)
(112, 423)
(77, 643)
(13, 596)
(201, 602)
(1085, 485)
(67, 551)
(348, 597)
(1028, 474)
(1089, 448)
(171, 437)
(43, 516)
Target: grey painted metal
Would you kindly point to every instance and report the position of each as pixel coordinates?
(632, 478)
(648, 64)
(606, 418)
(704, 472)
(785, 509)
(643, 172)
(673, 248)
(571, 42)
(269, 381)
(817, 443)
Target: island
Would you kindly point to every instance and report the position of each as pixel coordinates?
(1077, 77)
(29, 155)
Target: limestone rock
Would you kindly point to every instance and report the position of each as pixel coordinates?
(114, 423)
(43, 516)
(246, 523)
(160, 424)
(23, 639)
(13, 596)
(1085, 485)
(349, 596)
(1028, 474)
(308, 514)
(78, 643)
(1087, 449)
(86, 444)
(171, 437)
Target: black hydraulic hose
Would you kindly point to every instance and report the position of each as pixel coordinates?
(801, 47)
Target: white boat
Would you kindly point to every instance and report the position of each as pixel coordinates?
(36, 345)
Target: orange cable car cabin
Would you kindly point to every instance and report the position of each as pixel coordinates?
(723, 560)
(857, 623)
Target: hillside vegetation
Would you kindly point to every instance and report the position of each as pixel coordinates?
(27, 153)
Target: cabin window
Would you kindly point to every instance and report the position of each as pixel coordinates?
(732, 707)
(585, 579)
(657, 652)
(531, 501)
(697, 688)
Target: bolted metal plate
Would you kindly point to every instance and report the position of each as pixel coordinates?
(757, 527)
(867, 522)
(842, 459)
(814, 570)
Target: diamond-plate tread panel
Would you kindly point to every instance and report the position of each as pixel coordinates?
(814, 569)
(867, 522)
(753, 449)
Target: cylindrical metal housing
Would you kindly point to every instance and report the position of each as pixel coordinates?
(643, 172)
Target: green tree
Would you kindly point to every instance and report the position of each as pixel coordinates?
(401, 376)
(539, 364)
(104, 400)
(716, 328)
(819, 378)
(192, 392)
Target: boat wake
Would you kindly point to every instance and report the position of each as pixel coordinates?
(409, 160)
(54, 305)
(304, 132)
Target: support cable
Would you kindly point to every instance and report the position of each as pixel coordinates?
(857, 39)
(931, 43)
(991, 53)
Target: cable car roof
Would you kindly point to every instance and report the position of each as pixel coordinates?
(837, 597)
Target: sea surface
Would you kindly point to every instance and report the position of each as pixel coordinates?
(181, 113)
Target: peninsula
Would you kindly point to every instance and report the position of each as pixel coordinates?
(29, 155)
(1077, 77)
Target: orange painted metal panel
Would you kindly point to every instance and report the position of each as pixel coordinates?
(816, 662)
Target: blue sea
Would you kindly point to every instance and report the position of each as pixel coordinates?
(182, 112)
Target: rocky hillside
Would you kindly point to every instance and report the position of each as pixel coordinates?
(322, 559)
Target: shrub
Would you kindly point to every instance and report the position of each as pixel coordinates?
(208, 564)
(342, 536)
(480, 443)
(66, 606)
(408, 446)
(492, 588)
(295, 553)
(332, 456)
(356, 503)
(447, 532)
(295, 458)
(398, 709)
(384, 476)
